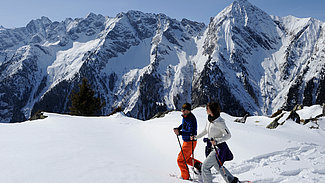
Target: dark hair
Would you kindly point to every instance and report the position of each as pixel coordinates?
(215, 108)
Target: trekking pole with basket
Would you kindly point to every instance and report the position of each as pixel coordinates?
(179, 142)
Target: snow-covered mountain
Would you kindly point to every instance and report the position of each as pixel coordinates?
(120, 149)
(263, 62)
(147, 63)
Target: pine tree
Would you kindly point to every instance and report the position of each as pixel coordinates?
(84, 103)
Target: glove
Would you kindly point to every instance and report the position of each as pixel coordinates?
(176, 131)
(213, 142)
(205, 139)
(193, 138)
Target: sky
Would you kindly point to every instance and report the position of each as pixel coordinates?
(17, 13)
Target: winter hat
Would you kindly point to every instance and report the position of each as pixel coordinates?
(186, 106)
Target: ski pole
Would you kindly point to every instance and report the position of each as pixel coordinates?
(179, 142)
(218, 160)
(193, 158)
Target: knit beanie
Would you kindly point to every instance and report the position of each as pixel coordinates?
(186, 106)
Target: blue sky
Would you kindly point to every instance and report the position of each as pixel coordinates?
(17, 13)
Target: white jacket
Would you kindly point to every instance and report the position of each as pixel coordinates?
(217, 130)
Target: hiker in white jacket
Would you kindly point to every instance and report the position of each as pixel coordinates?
(218, 133)
(216, 129)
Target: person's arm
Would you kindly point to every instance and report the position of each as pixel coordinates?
(193, 127)
(225, 133)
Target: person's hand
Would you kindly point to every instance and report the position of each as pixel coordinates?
(213, 142)
(193, 137)
(176, 131)
(205, 139)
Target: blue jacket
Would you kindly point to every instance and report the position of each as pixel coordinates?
(188, 127)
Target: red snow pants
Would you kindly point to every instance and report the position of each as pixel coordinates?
(187, 149)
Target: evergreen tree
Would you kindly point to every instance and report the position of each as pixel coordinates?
(84, 103)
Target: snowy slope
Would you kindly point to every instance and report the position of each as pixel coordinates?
(66, 149)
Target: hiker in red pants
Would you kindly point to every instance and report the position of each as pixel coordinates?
(188, 129)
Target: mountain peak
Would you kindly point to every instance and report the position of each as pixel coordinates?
(242, 13)
(91, 15)
(242, 2)
(38, 24)
(243, 8)
(43, 20)
(135, 12)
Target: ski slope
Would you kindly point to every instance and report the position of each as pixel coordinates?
(119, 149)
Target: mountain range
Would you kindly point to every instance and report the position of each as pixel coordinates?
(146, 63)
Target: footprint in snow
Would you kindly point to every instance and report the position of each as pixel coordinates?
(291, 172)
(294, 163)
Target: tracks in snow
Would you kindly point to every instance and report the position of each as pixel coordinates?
(295, 164)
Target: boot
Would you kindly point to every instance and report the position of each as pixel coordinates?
(235, 180)
(197, 168)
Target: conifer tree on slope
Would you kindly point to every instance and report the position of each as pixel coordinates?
(84, 103)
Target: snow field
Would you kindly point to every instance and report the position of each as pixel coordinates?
(65, 149)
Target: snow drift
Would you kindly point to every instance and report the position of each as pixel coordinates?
(65, 149)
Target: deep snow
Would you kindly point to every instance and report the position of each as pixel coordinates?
(66, 149)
